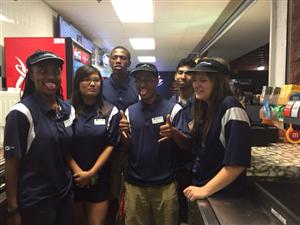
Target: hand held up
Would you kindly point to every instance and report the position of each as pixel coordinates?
(166, 129)
(124, 125)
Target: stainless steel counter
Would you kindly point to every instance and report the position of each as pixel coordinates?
(266, 203)
(271, 198)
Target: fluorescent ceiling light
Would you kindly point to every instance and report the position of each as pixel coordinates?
(134, 11)
(5, 19)
(142, 43)
(260, 68)
(146, 59)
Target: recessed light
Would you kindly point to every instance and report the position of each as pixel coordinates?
(142, 43)
(134, 11)
(147, 59)
(260, 68)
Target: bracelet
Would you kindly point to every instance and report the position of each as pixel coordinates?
(12, 211)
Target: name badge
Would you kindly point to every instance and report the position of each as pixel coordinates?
(157, 120)
(68, 123)
(99, 121)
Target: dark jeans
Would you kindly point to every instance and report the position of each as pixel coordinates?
(49, 212)
(184, 179)
(119, 165)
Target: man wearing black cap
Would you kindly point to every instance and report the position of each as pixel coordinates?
(38, 132)
(150, 181)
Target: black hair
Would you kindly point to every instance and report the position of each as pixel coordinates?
(186, 62)
(204, 113)
(77, 101)
(121, 47)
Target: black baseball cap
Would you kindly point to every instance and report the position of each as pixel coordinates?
(210, 66)
(146, 67)
(39, 56)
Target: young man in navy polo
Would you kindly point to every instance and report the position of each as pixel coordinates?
(120, 91)
(185, 159)
(150, 181)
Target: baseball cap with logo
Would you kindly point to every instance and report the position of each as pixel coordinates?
(39, 56)
(210, 66)
(146, 67)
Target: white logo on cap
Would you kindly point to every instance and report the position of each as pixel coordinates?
(145, 65)
(49, 54)
(207, 63)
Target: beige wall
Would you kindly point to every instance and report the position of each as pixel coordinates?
(278, 43)
(31, 18)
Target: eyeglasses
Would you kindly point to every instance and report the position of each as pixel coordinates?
(87, 80)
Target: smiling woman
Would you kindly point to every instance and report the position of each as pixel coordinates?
(44, 74)
(95, 136)
(220, 133)
(37, 135)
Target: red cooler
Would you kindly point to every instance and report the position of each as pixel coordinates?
(18, 49)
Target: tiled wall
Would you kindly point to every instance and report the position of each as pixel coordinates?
(31, 18)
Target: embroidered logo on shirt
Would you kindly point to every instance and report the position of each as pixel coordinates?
(99, 121)
(157, 120)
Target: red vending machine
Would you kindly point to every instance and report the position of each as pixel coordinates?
(18, 49)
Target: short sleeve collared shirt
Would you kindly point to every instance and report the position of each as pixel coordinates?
(227, 143)
(151, 162)
(120, 95)
(39, 137)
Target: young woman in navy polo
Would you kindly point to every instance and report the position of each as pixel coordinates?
(95, 135)
(38, 132)
(220, 133)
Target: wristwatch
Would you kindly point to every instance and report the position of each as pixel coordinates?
(12, 211)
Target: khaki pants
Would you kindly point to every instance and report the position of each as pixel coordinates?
(145, 204)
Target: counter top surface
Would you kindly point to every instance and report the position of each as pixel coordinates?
(240, 211)
(275, 160)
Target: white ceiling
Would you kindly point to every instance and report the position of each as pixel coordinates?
(179, 25)
(248, 33)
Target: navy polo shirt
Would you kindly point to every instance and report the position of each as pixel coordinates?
(93, 132)
(186, 105)
(185, 159)
(39, 137)
(151, 163)
(120, 95)
(227, 143)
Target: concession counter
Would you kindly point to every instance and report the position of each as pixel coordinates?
(273, 193)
